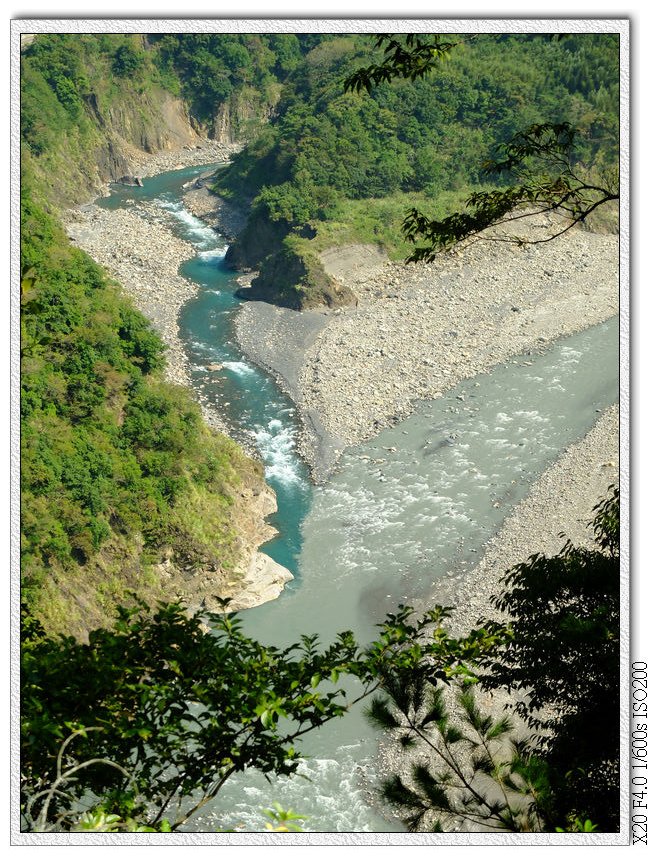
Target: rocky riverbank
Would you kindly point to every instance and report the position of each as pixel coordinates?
(203, 153)
(418, 330)
(224, 217)
(560, 501)
(139, 249)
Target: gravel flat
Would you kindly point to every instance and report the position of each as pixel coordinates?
(416, 331)
(420, 329)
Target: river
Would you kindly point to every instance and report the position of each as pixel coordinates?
(402, 519)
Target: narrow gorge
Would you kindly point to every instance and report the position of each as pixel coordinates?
(406, 511)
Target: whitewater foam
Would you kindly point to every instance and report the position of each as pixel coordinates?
(201, 234)
(209, 256)
(276, 444)
(238, 367)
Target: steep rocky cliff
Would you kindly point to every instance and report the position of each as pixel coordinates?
(294, 277)
(290, 273)
(113, 144)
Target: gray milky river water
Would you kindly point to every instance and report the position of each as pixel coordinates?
(403, 518)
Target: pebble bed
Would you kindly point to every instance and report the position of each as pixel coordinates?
(139, 249)
(417, 331)
(420, 329)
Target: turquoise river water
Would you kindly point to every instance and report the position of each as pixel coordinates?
(402, 519)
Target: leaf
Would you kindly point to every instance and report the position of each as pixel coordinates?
(380, 716)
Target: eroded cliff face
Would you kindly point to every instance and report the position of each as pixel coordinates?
(252, 579)
(158, 121)
(296, 279)
(120, 134)
(289, 274)
(233, 118)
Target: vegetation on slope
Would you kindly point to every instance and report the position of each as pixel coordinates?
(87, 99)
(153, 717)
(113, 457)
(327, 152)
(117, 465)
(119, 472)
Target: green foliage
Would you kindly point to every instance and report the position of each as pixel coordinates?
(410, 56)
(469, 775)
(546, 181)
(547, 173)
(211, 67)
(150, 719)
(108, 450)
(128, 61)
(324, 142)
(562, 652)
(283, 821)
(430, 128)
(577, 825)
(62, 75)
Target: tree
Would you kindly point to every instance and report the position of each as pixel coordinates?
(538, 164)
(150, 719)
(560, 656)
(127, 61)
(546, 181)
(466, 772)
(409, 56)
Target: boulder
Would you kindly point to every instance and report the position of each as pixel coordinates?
(130, 180)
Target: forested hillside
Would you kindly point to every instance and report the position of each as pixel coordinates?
(119, 471)
(89, 102)
(142, 708)
(335, 166)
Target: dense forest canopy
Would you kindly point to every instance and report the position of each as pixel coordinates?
(117, 465)
(435, 133)
(112, 456)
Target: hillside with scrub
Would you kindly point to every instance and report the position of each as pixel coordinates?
(124, 487)
(337, 165)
